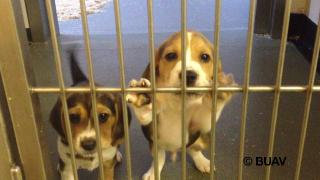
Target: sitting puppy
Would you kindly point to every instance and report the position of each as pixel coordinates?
(110, 118)
(199, 72)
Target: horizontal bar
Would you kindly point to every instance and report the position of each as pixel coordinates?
(46, 90)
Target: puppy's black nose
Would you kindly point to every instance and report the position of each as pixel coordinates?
(88, 144)
(191, 77)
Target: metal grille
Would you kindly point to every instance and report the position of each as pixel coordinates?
(246, 88)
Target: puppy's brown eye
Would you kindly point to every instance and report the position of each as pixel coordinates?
(205, 57)
(171, 56)
(74, 118)
(103, 117)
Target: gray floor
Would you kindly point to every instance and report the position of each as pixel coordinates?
(233, 44)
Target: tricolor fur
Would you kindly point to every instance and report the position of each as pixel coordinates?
(199, 72)
(109, 110)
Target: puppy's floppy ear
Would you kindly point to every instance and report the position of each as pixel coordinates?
(55, 118)
(225, 80)
(118, 128)
(147, 72)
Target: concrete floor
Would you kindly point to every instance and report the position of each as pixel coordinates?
(233, 45)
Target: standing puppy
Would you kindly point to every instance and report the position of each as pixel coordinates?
(81, 114)
(199, 72)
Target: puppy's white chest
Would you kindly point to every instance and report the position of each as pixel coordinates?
(169, 126)
(170, 130)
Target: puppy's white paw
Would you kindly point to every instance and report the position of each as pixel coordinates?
(139, 99)
(148, 176)
(119, 156)
(144, 114)
(202, 164)
(66, 176)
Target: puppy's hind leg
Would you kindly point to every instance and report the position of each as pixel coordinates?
(150, 174)
(200, 161)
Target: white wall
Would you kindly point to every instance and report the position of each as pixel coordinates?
(314, 10)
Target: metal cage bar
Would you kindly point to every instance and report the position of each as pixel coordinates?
(247, 67)
(92, 83)
(16, 173)
(123, 92)
(214, 92)
(153, 87)
(312, 75)
(183, 88)
(63, 96)
(282, 54)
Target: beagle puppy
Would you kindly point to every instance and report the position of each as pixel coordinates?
(199, 72)
(109, 109)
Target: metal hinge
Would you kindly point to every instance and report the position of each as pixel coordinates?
(16, 173)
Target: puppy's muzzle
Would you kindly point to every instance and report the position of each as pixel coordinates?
(191, 77)
(88, 144)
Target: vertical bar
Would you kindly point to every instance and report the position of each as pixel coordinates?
(214, 87)
(246, 84)
(63, 97)
(282, 54)
(13, 55)
(123, 81)
(91, 83)
(312, 75)
(183, 87)
(153, 87)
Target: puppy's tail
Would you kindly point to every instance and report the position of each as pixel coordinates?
(76, 73)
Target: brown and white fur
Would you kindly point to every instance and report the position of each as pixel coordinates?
(109, 109)
(199, 72)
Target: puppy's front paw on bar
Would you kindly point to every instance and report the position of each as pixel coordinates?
(140, 102)
(139, 99)
(118, 156)
(148, 176)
